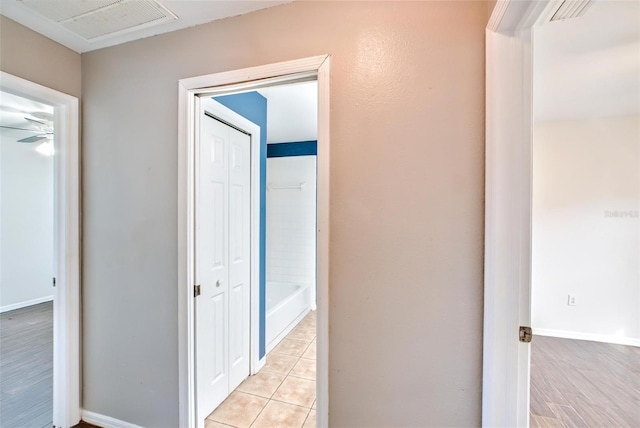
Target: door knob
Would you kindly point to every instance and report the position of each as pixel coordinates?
(218, 283)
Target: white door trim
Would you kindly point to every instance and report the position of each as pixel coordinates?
(507, 291)
(246, 79)
(66, 316)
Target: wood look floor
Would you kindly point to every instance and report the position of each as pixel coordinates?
(26, 367)
(577, 383)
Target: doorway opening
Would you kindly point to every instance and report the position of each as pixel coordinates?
(282, 393)
(585, 255)
(219, 88)
(39, 279)
(508, 239)
(26, 261)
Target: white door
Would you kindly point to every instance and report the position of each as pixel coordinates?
(222, 261)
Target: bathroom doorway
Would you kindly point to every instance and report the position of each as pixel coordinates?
(222, 87)
(282, 393)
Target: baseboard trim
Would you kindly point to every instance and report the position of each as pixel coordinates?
(24, 304)
(105, 421)
(618, 340)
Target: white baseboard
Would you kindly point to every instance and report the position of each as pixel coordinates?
(618, 340)
(21, 305)
(105, 421)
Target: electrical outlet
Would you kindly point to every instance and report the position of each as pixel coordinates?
(571, 301)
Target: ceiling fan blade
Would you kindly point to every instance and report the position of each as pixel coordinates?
(43, 116)
(43, 126)
(36, 121)
(18, 129)
(33, 139)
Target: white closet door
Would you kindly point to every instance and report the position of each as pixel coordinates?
(222, 262)
(239, 253)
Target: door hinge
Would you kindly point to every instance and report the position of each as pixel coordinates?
(526, 334)
(54, 282)
(196, 290)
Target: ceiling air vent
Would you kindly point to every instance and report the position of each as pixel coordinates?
(571, 9)
(95, 19)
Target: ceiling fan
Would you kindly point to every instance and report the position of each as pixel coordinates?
(41, 125)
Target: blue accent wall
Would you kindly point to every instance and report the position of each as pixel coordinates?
(299, 148)
(253, 106)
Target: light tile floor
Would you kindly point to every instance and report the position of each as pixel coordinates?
(283, 393)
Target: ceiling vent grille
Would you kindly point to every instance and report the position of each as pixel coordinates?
(571, 9)
(96, 19)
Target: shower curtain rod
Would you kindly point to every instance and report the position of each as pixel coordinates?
(298, 186)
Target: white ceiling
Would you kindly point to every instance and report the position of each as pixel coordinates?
(189, 13)
(589, 67)
(292, 112)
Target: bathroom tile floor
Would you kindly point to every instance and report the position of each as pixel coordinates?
(283, 393)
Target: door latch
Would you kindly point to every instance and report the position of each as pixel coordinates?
(526, 334)
(196, 290)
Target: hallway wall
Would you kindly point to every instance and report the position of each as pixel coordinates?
(406, 213)
(34, 57)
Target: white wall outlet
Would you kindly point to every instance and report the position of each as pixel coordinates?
(571, 301)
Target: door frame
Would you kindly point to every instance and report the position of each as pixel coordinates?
(508, 182)
(235, 81)
(66, 211)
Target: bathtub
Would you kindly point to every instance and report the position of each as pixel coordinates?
(286, 305)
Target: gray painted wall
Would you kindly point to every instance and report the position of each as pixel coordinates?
(27, 54)
(407, 158)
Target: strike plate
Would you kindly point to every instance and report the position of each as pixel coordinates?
(526, 334)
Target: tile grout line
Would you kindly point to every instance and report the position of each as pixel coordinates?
(270, 399)
(221, 423)
(300, 377)
(305, 419)
(298, 358)
(259, 413)
(286, 375)
(292, 404)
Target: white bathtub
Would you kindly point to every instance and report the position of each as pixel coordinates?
(286, 305)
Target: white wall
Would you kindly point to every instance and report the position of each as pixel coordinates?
(26, 223)
(586, 236)
(291, 221)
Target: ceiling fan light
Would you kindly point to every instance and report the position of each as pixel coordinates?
(46, 148)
